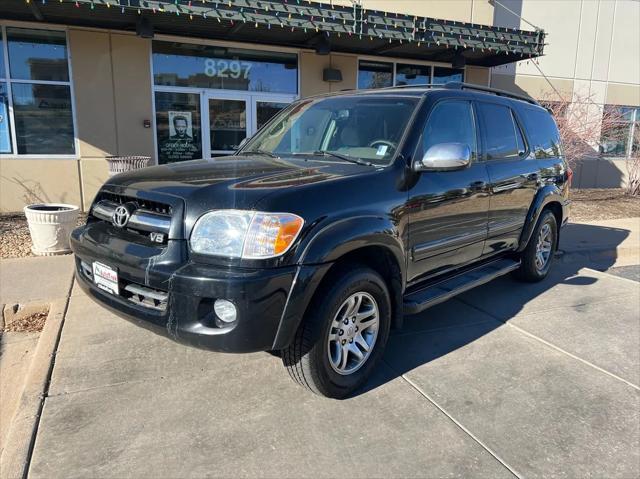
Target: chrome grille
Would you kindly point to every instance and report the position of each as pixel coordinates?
(149, 219)
(142, 221)
(142, 204)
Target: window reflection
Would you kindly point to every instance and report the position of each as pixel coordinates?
(375, 75)
(413, 74)
(227, 124)
(442, 75)
(5, 123)
(44, 122)
(198, 66)
(37, 55)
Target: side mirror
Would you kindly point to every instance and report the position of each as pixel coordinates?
(444, 157)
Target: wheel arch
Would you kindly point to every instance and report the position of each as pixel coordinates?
(548, 198)
(367, 241)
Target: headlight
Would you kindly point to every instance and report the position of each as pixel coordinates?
(245, 234)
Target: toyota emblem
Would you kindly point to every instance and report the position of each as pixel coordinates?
(121, 216)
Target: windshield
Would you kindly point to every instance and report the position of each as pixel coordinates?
(359, 128)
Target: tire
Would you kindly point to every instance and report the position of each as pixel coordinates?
(314, 359)
(532, 268)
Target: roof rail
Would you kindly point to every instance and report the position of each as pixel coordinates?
(495, 91)
(466, 86)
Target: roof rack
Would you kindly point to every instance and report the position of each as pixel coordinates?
(495, 91)
(467, 86)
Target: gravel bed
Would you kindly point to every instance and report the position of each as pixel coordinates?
(603, 204)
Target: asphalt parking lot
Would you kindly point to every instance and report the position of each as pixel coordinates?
(507, 380)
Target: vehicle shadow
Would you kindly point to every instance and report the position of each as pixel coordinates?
(449, 326)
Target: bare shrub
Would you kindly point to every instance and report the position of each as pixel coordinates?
(582, 124)
(633, 167)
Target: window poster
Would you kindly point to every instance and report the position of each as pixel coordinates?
(181, 145)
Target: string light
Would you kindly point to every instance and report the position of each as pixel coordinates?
(357, 20)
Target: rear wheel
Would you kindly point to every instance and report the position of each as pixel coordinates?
(343, 334)
(537, 257)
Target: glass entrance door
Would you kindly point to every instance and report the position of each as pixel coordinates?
(232, 117)
(229, 123)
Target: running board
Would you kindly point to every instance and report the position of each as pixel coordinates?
(447, 289)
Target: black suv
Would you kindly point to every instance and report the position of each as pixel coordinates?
(344, 213)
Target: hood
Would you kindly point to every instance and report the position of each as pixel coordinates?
(230, 182)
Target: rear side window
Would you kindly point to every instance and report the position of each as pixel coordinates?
(503, 138)
(543, 133)
(451, 122)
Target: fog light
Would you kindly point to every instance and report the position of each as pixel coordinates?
(225, 310)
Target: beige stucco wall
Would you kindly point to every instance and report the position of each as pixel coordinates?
(312, 67)
(592, 41)
(477, 75)
(34, 181)
(131, 57)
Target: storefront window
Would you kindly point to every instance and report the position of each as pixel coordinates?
(621, 137)
(44, 122)
(35, 93)
(200, 66)
(442, 75)
(37, 55)
(178, 127)
(412, 74)
(375, 74)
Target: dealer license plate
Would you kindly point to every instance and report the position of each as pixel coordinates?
(105, 277)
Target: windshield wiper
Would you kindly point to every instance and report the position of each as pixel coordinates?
(350, 159)
(259, 152)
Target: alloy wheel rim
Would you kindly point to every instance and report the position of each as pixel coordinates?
(544, 246)
(353, 333)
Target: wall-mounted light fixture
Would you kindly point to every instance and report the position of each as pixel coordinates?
(332, 75)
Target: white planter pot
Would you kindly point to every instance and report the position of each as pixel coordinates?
(50, 226)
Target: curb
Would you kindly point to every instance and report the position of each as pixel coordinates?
(15, 458)
(622, 256)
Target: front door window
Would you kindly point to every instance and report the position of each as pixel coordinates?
(227, 124)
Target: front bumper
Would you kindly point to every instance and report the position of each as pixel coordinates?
(261, 296)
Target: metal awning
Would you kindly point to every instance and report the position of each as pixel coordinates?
(296, 23)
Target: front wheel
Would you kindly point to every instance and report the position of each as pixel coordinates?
(343, 334)
(537, 257)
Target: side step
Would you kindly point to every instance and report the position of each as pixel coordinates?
(448, 288)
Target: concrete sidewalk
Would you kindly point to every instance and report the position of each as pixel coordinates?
(510, 379)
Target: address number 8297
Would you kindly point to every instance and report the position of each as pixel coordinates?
(227, 68)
